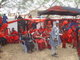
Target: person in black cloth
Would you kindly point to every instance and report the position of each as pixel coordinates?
(19, 17)
(27, 42)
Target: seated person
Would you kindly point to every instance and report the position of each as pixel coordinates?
(27, 43)
(15, 35)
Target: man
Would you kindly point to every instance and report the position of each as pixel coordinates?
(54, 38)
(27, 43)
(5, 18)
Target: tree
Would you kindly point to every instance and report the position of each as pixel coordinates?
(3, 2)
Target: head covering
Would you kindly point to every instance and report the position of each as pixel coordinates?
(56, 21)
(65, 22)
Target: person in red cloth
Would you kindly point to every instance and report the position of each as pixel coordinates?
(64, 36)
(69, 33)
(64, 39)
(15, 36)
(74, 38)
(40, 43)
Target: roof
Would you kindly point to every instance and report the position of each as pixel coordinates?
(59, 10)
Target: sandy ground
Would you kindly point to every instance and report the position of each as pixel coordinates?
(15, 52)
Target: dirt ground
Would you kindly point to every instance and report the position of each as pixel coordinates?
(15, 52)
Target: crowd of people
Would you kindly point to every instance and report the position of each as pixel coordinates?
(50, 35)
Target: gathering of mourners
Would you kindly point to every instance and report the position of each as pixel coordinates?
(40, 35)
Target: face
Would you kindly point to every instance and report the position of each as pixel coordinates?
(12, 29)
(57, 24)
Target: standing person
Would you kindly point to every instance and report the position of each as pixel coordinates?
(19, 17)
(54, 38)
(30, 16)
(16, 17)
(1, 21)
(78, 39)
(5, 18)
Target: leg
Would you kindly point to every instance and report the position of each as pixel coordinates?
(53, 49)
(64, 44)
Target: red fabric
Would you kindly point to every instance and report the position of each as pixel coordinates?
(0, 20)
(14, 32)
(64, 39)
(41, 44)
(69, 34)
(29, 25)
(65, 22)
(2, 34)
(41, 30)
(25, 32)
(70, 38)
(9, 39)
(35, 34)
(6, 32)
(5, 25)
(74, 39)
(15, 36)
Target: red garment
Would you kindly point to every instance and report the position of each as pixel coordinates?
(21, 30)
(35, 34)
(14, 32)
(15, 36)
(2, 34)
(0, 20)
(64, 38)
(69, 34)
(5, 25)
(25, 32)
(74, 39)
(46, 35)
(41, 44)
(9, 39)
(7, 31)
(41, 30)
(29, 25)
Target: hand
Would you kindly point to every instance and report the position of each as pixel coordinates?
(55, 40)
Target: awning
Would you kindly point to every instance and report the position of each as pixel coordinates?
(59, 10)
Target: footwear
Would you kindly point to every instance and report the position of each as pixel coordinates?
(55, 55)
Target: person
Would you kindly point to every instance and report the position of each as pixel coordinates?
(27, 43)
(64, 36)
(5, 18)
(15, 35)
(0, 21)
(54, 38)
(19, 17)
(30, 16)
(16, 17)
(78, 39)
